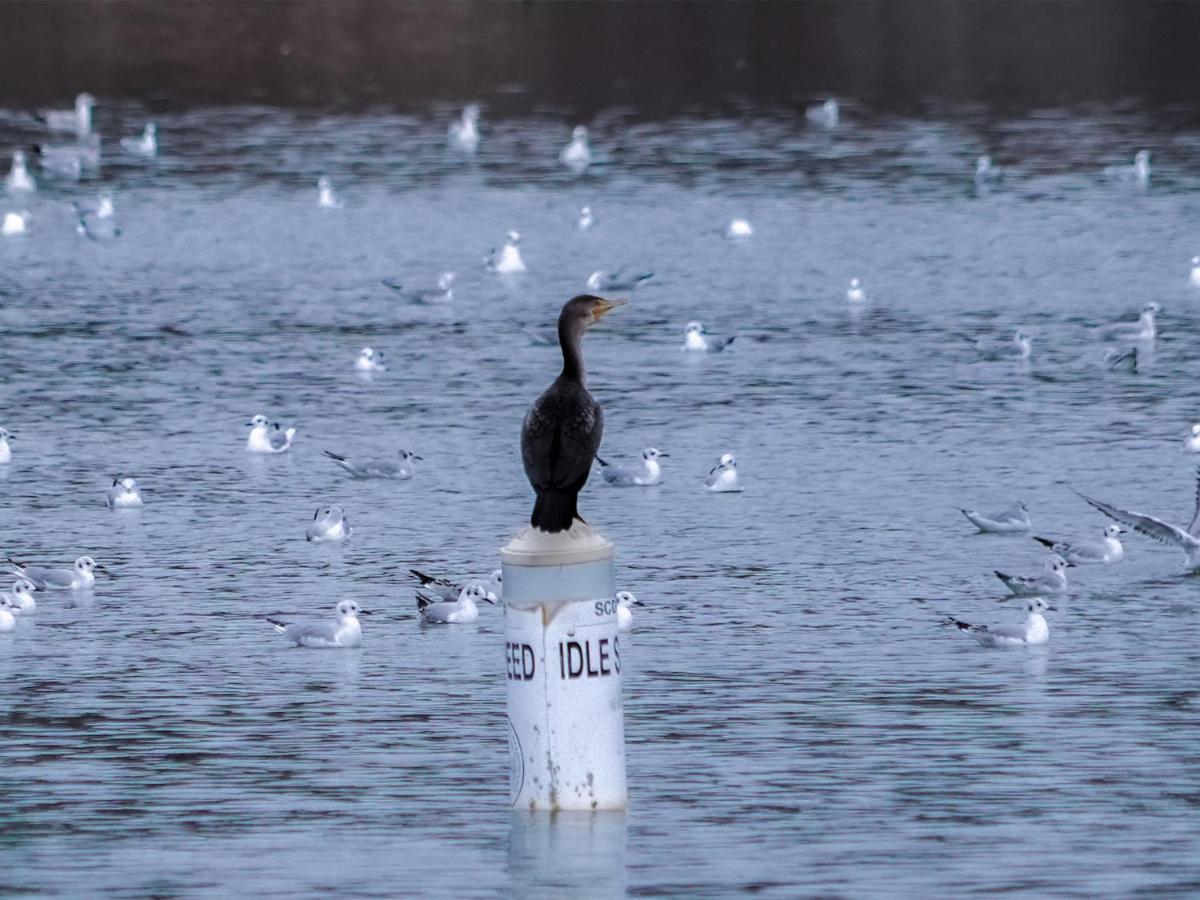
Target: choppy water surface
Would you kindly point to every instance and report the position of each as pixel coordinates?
(798, 723)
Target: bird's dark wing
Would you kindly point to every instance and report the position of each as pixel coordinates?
(560, 438)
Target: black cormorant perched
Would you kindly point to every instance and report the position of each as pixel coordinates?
(561, 432)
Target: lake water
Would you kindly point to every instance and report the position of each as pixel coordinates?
(798, 721)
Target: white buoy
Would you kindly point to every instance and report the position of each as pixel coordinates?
(566, 726)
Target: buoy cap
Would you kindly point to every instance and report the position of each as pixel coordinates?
(578, 544)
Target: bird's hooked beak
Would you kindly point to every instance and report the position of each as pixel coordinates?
(638, 603)
(489, 597)
(1051, 608)
(365, 612)
(664, 454)
(604, 307)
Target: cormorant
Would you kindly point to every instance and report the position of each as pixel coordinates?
(562, 430)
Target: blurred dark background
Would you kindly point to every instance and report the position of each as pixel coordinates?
(654, 57)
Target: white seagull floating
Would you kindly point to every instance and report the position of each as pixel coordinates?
(985, 172)
(508, 260)
(97, 223)
(370, 361)
(15, 223)
(1194, 278)
(79, 577)
(577, 155)
(696, 339)
(1187, 540)
(5, 450)
(69, 160)
(625, 603)
(329, 524)
(855, 293)
(145, 144)
(1019, 347)
(587, 220)
(448, 589)
(464, 134)
(1106, 550)
(1191, 444)
(616, 281)
(20, 598)
(267, 437)
(342, 632)
(1120, 359)
(18, 180)
(1053, 579)
(124, 493)
(1034, 631)
(826, 114)
(326, 198)
(457, 612)
(1013, 520)
(738, 229)
(644, 473)
(443, 293)
(1138, 173)
(78, 120)
(723, 477)
(398, 469)
(1145, 329)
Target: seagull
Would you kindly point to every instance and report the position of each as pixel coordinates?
(1139, 172)
(612, 281)
(123, 493)
(1145, 329)
(1191, 444)
(329, 524)
(69, 160)
(723, 477)
(267, 437)
(1106, 550)
(464, 134)
(8, 622)
(76, 578)
(97, 223)
(738, 229)
(577, 155)
(1034, 631)
(697, 340)
(645, 473)
(448, 589)
(18, 180)
(1013, 520)
(1121, 360)
(342, 632)
(370, 361)
(587, 220)
(443, 293)
(508, 261)
(1194, 278)
(1053, 579)
(454, 612)
(6, 451)
(1018, 348)
(20, 598)
(78, 119)
(145, 144)
(825, 114)
(326, 198)
(384, 468)
(1172, 535)
(855, 293)
(15, 223)
(625, 601)
(985, 172)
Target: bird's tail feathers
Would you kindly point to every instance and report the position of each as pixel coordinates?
(424, 602)
(554, 511)
(334, 456)
(1043, 541)
(601, 461)
(281, 627)
(421, 576)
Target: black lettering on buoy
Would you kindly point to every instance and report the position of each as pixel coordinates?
(617, 655)
(528, 662)
(604, 670)
(587, 652)
(574, 659)
(562, 672)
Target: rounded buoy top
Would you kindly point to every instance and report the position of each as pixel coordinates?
(534, 547)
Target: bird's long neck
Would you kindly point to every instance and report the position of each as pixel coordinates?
(570, 338)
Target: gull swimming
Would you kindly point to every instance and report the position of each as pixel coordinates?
(855, 293)
(20, 599)
(6, 451)
(625, 603)
(15, 223)
(695, 339)
(1121, 359)
(124, 493)
(586, 220)
(370, 361)
(18, 180)
(69, 160)
(826, 114)
(449, 589)
(644, 473)
(1187, 540)
(443, 293)
(78, 119)
(464, 134)
(1139, 172)
(1145, 329)
(738, 229)
(1106, 550)
(1013, 520)
(8, 621)
(454, 612)
(344, 631)
(145, 144)
(78, 577)
(1034, 631)
(1194, 278)
(986, 172)
(1019, 347)
(1052, 580)
(723, 477)
(613, 281)
(398, 469)
(326, 198)
(1191, 444)
(329, 524)
(267, 437)
(508, 260)
(97, 223)
(577, 155)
